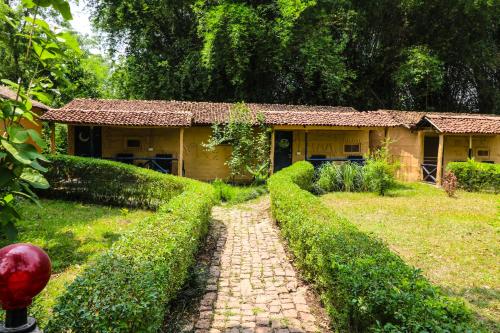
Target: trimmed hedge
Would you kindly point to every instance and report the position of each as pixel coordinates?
(476, 176)
(108, 182)
(364, 286)
(128, 288)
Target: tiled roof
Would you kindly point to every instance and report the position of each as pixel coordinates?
(178, 113)
(119, 118)
(6, 92)
(463, 124)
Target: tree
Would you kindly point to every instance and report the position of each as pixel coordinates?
(418, 77)
(307, 51)
(249, 140)
(20, 162)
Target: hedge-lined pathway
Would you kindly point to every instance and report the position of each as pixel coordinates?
(252, 287)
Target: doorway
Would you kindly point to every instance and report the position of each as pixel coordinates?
(283, 142)
(88, 141)
(429, 167)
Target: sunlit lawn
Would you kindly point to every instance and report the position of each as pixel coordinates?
(455, 241)
(72, 234)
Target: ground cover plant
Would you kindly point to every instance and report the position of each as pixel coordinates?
(364, 286)
(453, 240)
(72, 234)
(128, 287)
(476, 176)
(235, 194)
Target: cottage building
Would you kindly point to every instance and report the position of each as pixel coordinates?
(169, 135)
(37, 108)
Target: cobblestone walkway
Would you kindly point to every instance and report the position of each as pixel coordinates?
(252, 287)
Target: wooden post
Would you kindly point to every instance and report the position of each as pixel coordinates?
(306, 143)
(181, 152)
(272, 152)
(470, 152)
(421, 136)
(439, 171)
(52, 138)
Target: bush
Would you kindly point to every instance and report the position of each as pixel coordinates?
(380, 171)
(128, 288)
(108, 182)
(364, 286)
(476, 176)
(237, 194)
(450, 184)
(332, 177)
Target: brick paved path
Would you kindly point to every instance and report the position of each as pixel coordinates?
(252, 287)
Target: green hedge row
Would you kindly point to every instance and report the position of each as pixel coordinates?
(364, 286)
(109, 182)
(128, 288)
(476, 176)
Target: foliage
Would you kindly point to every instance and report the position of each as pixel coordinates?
(440, 235)
(72, 234)
(42, 60)
(348, 177)
(128, 288)
(364, 286)
(476, 176)
(368, 54)
(419, 76)
(380, 170)
(248, 136)
(237, 194)
(450, 184)
(108, 182)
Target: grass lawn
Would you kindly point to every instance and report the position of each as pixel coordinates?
(455, 241)
(72, 234)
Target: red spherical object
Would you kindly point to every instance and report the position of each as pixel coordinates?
(24, 271)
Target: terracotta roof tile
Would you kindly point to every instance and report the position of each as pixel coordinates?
(464, 124)
(178, 113)
(6, 92)
(119, 118)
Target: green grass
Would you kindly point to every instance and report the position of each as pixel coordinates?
(72, 234)
(235, 194)
(455, 241)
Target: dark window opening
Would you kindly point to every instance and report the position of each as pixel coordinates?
(133, 143)
(352, 148)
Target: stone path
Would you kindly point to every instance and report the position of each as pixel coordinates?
(252, 287)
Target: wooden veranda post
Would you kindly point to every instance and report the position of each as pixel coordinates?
(272, 153)
(181, 152)
(439, 171)
(52, 138)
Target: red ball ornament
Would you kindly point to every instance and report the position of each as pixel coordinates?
(24, 271)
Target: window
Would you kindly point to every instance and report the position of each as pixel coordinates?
(482, 152)
(133, 143)
(352, 148)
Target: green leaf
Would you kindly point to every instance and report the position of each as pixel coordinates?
(15, 153)
(6, 175)
(34, 178)
(63, 8)
(17, 134)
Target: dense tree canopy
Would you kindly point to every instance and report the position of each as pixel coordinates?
(411, 54)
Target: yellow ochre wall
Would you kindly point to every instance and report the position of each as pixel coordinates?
(25, 123)
(328, 142)
(406, 147)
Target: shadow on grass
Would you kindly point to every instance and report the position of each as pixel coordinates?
(48, 228)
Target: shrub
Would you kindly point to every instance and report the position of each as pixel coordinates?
(364, 286)
(450, 184)
(476, 176)
(237, 194)
(348, 177)
(108, 182)
(128, 288)
(380, 171)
